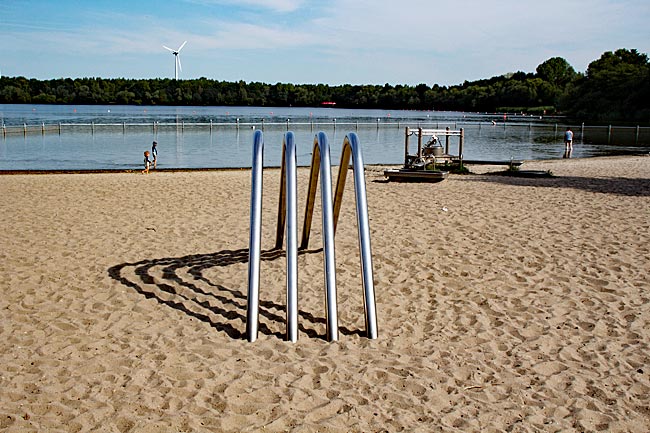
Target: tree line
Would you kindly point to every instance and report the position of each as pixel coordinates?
(615, 87)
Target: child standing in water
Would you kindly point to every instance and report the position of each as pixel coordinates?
(154, 154)
(147, 163)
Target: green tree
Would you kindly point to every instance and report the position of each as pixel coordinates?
(556, 71)
(616, 86)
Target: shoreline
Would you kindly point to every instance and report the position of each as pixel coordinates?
(226, 169)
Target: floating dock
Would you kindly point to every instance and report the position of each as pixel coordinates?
(409, 175)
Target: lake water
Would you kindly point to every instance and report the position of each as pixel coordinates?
(115, 137)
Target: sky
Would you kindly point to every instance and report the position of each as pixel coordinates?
(332, 42)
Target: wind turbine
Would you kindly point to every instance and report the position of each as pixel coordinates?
(177, 62)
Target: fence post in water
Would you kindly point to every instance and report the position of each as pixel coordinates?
(43, 128)
(237, 123)
(24, 129)
(447, 141)
(636, 138)
(210, 125)
(582, 132)
(4, 130)
(287, 124)
(123, 127)
(334, 120)
(378, 123)
(92, 127)
(460, 147)
(609, 134)
(262, 124)
(406, 145)
(59, 128)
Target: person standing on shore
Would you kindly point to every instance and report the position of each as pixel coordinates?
(568, 139)
(147, 162)
(154, 154)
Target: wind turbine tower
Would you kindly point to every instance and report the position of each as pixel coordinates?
(177, 60)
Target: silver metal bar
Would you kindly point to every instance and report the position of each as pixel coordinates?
(254, 250)
(321, 145)
(291, 195)
(352, 142)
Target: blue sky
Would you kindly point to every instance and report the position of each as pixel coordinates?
(299, 41)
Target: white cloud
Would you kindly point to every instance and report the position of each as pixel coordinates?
(274, 5)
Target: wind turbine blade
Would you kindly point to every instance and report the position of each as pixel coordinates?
(178, 59)
(181, 47)
(167, 48)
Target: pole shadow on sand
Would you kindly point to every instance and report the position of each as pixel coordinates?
(204, 300)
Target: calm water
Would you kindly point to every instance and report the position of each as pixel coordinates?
(224, 139)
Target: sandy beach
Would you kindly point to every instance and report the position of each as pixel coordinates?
(504, 304)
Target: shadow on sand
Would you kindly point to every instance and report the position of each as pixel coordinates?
(214, 300)
(632, 187)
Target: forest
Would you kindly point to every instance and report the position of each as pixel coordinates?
(614, 87)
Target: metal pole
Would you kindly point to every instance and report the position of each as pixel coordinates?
(609, 134)
(321, 143)
(447, 141)
(363, 227)
(292, 236)
(460, 146)
(254, 251)
(406, 145)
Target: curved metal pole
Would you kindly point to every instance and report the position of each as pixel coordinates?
(291, 195)
(254, 250)
(351, 146)
(321, 155)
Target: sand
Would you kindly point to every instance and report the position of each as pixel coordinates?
(504, 304)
